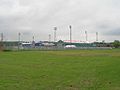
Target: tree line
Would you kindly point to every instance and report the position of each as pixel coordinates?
(116, 44)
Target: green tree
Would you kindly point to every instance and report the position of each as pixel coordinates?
(116, 43)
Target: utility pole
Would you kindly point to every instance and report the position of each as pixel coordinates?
(1, 37)
(1, 43)
(96, 36)
(86, 35)
(33, 42)
(55, 38)
(70, 33)
(19, 34)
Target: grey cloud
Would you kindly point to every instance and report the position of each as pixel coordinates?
(114, 32)
(38, 17)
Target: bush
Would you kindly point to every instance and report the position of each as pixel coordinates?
(7, 50)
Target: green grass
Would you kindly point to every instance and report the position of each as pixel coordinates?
(60, 70)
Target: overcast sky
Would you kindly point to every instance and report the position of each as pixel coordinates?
(39, 17)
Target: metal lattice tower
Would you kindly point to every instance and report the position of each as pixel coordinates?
(49, 37)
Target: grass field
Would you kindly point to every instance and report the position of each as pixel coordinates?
(60, 70)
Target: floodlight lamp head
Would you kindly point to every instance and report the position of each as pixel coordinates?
(70, 26)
